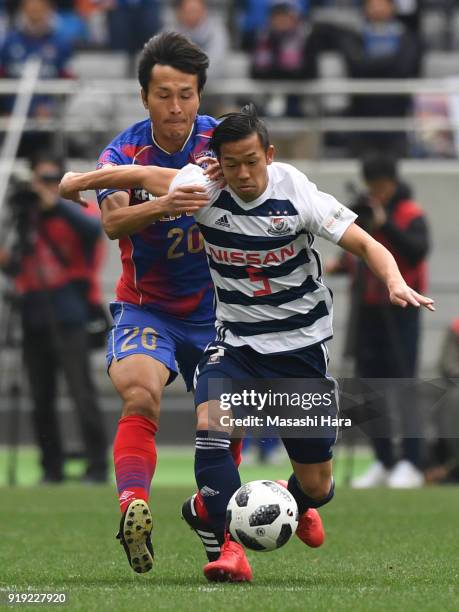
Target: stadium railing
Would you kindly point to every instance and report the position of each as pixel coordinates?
(111, 92)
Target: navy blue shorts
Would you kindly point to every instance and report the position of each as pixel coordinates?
(222, 361)
(176, 343)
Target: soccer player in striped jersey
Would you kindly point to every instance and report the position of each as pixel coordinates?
(274, 313)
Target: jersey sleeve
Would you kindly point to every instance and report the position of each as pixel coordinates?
(192, 174)
(111, 157)
(320, 212)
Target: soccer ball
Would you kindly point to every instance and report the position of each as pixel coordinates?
(262, 515)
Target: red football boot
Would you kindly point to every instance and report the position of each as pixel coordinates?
(310, 529)
(231, 566)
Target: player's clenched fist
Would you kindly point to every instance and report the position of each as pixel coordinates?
(187, 198)
(69, 188)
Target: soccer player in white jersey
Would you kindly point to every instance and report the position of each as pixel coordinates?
(274, 313)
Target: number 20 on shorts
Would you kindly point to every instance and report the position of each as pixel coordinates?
(146, 335)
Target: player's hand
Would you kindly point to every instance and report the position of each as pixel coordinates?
(379, 214)
(67, 189)
(188, 198)
(402, 295)
(212, 170)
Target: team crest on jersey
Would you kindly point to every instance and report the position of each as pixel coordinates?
(279, 226)
(195, 157)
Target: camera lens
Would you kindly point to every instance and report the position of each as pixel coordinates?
(49, 178)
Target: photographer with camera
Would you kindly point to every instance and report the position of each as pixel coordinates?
(383, 339)
(51, 261)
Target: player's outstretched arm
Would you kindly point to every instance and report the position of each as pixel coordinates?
(383, 265)
(154, 179)
(120, 220)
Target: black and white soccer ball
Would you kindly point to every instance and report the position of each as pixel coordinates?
(262, 515)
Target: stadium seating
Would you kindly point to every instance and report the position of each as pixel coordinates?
(100, 65)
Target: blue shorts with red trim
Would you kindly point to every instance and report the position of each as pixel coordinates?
(177, 343)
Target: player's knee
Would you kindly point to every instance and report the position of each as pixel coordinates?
(141, 400)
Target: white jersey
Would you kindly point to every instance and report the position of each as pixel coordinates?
(267, 275)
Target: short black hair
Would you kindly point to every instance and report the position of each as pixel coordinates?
(176, 50)
(237, 126)
(376, 167)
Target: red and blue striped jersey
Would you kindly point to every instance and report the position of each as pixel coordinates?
(164, 266)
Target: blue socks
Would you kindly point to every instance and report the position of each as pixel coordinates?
(304, 502)
(216, 474)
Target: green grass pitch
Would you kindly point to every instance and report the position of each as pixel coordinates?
(385, 550)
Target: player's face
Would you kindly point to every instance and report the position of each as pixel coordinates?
(244, 164)
(172, 102)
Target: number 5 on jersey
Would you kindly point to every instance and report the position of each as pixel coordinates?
(256, 276)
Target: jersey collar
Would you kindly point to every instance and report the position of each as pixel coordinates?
(164, 150)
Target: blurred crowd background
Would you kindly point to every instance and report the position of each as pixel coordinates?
(337, 81)
(306, 45)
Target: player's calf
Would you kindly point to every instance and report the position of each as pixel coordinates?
(195, 514)
(311, 484)
(218, 478)
(140, 381)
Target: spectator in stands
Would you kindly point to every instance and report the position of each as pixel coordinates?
(70, 24)
(409, 13)
(253, 16)
(386, 337)
(94, 15)
(51, 261)
(383, 49)
(3, 21)
(11, 6)
(35, 35)
(285, 50)
(192, 19)
(130, 24)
